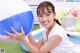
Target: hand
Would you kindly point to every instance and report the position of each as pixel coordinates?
(16, 35)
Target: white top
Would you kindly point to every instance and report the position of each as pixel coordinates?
(65, 46)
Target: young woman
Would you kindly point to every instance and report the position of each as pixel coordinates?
(54, 38)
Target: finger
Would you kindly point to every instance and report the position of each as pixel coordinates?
(8, 33)
(10, 37)
(7, 37)
(22, 31)
(14, 30)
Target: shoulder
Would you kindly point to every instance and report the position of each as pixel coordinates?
(58, 30)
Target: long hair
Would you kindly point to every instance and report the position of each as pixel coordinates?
(47, 4)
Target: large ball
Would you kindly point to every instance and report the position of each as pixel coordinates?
(15, 13)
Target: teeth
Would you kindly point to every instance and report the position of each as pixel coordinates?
(45, 22)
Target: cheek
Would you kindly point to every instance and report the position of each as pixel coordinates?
(40, 20)
(51, 19)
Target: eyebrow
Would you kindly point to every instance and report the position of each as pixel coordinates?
(47, 13)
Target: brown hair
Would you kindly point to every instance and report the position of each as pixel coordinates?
(43, 5)
(46, 4)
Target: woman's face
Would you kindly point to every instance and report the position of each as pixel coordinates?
(47, 19)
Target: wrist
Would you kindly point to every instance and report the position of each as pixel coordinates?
(29, 35)
(23, 38)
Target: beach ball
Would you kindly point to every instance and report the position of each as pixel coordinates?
(15, 13)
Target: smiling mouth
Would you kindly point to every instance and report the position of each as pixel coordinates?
(45, 23)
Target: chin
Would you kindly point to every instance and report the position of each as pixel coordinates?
(45, 26)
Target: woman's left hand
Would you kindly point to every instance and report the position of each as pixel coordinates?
(16, 35)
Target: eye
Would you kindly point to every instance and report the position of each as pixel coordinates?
(40, 16)
(47, 14)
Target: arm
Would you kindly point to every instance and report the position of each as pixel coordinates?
(32, 41)
(50, 44)
(40, 43)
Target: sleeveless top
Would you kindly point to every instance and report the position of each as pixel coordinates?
(65, 46)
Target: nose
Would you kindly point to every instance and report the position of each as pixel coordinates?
(44, 18)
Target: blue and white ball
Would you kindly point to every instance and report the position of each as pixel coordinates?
(15, 13)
